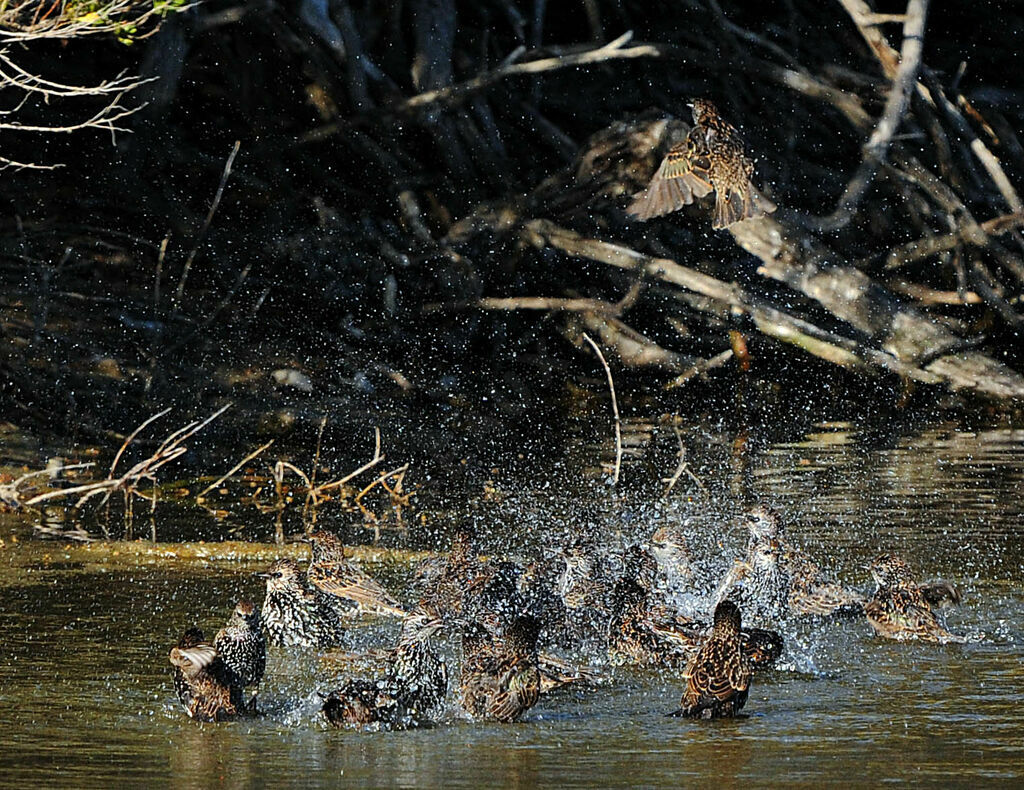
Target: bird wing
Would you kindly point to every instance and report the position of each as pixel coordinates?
(518, 691)
(712, 678)
(199, 656)
(682, 177)
(344, 580)
(824, 598)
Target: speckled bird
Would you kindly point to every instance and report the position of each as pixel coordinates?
(242, 646)
(202, 681)
(718, 677)
(500, 677)
(712, 157)
(810, 591)
(331, 572)
(295, 613)
(675, 565)
(644, 629)
(758, 585)
(898, 609)
(442, 581)
(417, 677)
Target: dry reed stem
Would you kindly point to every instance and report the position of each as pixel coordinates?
(233, 469)
(683, 467)
(206, 224)
(615, 408)
(171, 448)
(612, 50)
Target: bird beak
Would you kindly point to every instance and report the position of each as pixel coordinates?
(262, 575)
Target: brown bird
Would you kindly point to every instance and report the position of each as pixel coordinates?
(443, 581)
(361, 703)
(331, 572)
(202, 681)
(500, 676)
(712, 157)
(899, 609)
(640, 629)
(718, 677)
(810, 591)
(759, 584)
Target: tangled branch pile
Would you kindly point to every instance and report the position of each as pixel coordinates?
(418, 178)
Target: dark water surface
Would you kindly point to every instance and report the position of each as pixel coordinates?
(86, 697)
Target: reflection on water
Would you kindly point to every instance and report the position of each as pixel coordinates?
(86, 699)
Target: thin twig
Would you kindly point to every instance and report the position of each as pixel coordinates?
(610, 51)
(131, 438)
(206, 224)
(380, 480)
(681, 468)
(615, 408)
(378, 456)
(233, 469)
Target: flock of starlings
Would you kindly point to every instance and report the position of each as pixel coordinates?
(502, 613)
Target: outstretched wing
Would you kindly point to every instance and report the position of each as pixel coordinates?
(684, 176)
(345, 580)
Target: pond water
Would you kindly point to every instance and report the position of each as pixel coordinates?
(86, 697)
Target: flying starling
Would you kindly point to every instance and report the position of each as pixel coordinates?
(417, 677)
(712, 157)
(899, 609)
(500, 678)
(810, 591)
(241, 646)
(331, 572)
(759, 585)
(295, 613)
(202, 681)
(718, 677)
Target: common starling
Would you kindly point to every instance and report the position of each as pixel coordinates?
(331, 572)
(362, 703)
(242, 647)
(641, 631)
(295, 613)
(758, 585)
(417, 677)
(761, 647)
(712, 157)
(718, 677)
(646, 631)
(442, 582)
(899, 609)
(675, 567)
(500, 678)
(940, 593)
(810, 591)
(202, 681)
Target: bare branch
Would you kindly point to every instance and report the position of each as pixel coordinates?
(615, 408)
(877, 146)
